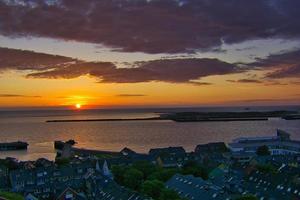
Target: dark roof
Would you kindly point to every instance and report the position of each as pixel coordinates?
(127, 151)
(106, 189)
(76, 196)
(190, 187)
(167, 150)
(278, 185)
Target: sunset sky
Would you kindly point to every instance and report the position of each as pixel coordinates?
(145, 53)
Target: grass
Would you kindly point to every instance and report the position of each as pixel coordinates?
(11, 196)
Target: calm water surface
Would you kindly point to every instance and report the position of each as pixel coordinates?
(30, 126)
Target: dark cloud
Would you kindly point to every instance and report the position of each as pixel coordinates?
(169, 70)
(286, 72)
(131, 95)
(152, 26)
(262, 81)
(245, 81)
(29, 60)
(197, 83)
(186, 70)
(18, 95)
(284, 65)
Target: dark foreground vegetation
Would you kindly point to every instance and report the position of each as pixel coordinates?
(149, 179)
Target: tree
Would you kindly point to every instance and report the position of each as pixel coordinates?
(146, 167)
(118, 172)
(153, 188)
(168, 194)
(266, 168)
(11, 196)
(133, 178)
(195, 169)
(162, 174)
(263, 151)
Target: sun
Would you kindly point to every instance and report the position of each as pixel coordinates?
(78, 106)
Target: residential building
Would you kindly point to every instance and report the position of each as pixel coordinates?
(214, 147)
(193, 188)
(99, 188)
(281, 144)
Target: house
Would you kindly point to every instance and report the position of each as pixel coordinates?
(47, 182)
(169, 157)
(228, 179)
(70, 194)
(127, 152)
(173, 151)
(281, 144)
(281, 185)
(213, 147)
(169, 161)
(242, 157)
(3, 176)
(99, 188)
(193, 188)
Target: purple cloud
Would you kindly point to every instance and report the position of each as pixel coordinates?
(185, 70)
(168, 26)
(245, 81)
(284, 65)
(29, 60)
(169, 70)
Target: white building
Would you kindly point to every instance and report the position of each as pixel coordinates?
(281, 144)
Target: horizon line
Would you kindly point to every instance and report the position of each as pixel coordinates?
(71, 108)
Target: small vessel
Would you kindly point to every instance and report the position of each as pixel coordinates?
(9, 146)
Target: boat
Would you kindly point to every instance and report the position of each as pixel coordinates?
(9, 146)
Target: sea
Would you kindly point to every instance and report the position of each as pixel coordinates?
(30, 126)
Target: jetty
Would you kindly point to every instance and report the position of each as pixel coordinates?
(10, 146)
(104, 120)
(202, 117)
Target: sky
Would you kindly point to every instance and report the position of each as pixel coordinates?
(149, 53)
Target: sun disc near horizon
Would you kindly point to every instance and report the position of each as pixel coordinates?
(78, 106)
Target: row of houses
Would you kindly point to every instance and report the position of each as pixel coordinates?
(267, 178)
(80, 179)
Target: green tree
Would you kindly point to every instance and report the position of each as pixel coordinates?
(152, 188)
(118, 172)
(263, 151)
(168, 194)
(195, 169)
(133, 178)
(11, 196)
(163, 174)
(266, 168)
(146, 167)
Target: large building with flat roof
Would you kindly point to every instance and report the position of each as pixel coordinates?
(281, 144)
